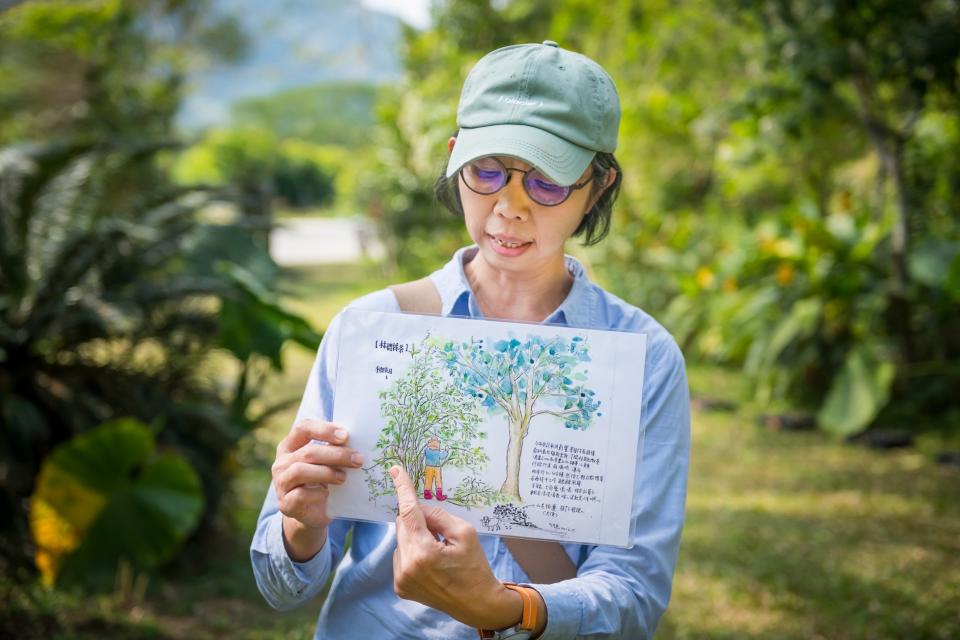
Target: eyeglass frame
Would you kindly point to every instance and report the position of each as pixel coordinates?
(523, 181)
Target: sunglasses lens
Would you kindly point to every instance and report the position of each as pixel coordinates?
(488, 175)
(543, 190)
(485, 175)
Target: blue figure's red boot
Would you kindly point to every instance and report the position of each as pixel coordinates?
(440, 495)
(427, 494)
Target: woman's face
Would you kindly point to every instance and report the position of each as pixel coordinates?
(515, 233)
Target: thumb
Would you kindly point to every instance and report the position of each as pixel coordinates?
(410, 517)
(446, 524)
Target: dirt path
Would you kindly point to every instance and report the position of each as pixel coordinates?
(304, 241)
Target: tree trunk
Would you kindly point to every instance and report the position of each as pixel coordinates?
(511, 485)
(899, 249)
(889, 143)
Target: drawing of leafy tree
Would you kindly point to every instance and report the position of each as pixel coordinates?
(523, 380)
(421, 403)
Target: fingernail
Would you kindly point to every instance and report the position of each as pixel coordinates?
(341, 476)
(341, 434)
(356, 459)
(394, 471)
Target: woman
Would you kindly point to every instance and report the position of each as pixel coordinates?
(531, 167)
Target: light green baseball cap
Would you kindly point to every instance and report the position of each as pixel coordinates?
(550, 107)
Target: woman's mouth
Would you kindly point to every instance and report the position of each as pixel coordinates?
(507, 246)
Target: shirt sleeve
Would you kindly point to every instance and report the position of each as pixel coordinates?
(622, 593)
(284, 583)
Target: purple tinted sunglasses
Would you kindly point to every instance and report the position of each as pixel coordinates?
(488, 175)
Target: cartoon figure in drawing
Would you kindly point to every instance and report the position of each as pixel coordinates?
(433, 459)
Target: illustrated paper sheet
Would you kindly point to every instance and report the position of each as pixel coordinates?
(523, 430)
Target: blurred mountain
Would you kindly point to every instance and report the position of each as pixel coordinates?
(293, 43)
(334, 113)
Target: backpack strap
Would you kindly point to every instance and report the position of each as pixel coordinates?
(543, 561)
(418, 296)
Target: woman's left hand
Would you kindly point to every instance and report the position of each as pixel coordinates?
(439, 562)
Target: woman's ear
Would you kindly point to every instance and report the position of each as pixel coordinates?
(452, 141)
(611, 178)
(607, 183)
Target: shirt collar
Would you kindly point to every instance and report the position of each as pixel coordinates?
(581, 307)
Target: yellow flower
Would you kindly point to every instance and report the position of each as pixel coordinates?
(767, 245)
(704, 277)
(785, 273)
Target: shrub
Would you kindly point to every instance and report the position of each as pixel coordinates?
(114, 295)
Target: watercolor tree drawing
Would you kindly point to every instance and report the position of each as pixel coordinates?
(524, 379)
(422, 403)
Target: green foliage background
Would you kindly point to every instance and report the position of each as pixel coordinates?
(335, 113)
(790, 199)
(120, 294)
(791, 209)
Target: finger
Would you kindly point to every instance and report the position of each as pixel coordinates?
(446, 524)
(303, 474)
(410, 518)
(304, 495)
(304, 503)
(303, 431)
(330, 455)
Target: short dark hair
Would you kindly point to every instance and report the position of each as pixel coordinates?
(595, 225)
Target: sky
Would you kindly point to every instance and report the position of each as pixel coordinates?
(414, 12)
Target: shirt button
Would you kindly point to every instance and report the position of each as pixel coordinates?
(551, 43)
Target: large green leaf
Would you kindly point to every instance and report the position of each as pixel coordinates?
(257, 322)
(799, 323)
(209, 245)
(858, 393)
(762, 357)
(105, 497)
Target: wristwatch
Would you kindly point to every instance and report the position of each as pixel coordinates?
(528, 620)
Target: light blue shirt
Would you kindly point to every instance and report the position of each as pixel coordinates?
(435, 457)
(618, 593)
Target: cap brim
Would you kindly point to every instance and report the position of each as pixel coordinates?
(561, 161)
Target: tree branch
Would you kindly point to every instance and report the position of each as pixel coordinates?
(559, 414)
(491, 389)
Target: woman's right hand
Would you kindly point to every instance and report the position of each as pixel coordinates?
(302, 473)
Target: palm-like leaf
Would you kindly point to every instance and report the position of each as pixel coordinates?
(112, 294)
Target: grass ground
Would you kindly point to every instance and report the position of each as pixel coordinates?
(792, 535)
(788, 535)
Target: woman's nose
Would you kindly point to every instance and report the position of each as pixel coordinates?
(513, 201)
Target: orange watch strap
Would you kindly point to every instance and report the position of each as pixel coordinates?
(528, 619)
